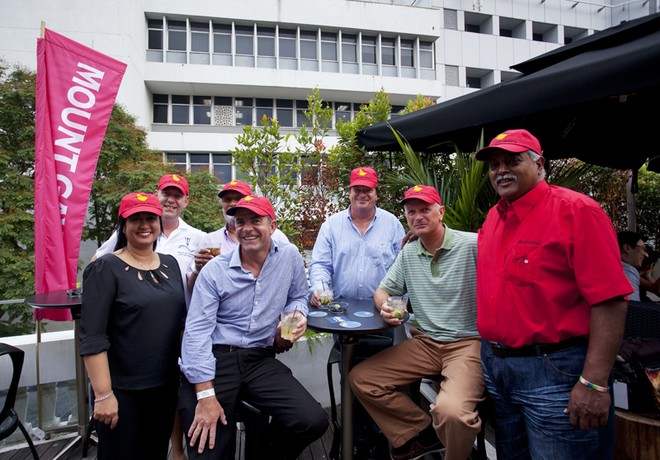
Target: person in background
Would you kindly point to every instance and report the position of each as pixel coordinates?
(647, 283)
(353, 251)
(551, 308)
(228, 350)
(224, 237)
(178, 239)
(438, 271)
(633, 252)
(133, 310)
(355, 247)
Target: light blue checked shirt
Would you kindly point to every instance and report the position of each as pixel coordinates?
(353, 264)
(231, 307)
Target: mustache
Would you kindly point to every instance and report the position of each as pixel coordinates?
(507, 176)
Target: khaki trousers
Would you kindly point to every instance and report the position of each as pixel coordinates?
(381, 384)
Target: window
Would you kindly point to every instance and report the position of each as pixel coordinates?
(426, 55)
(328, 46)
(388, 50)
(178, 160)
(181, 110)
(244, 40)
(301, 118)
(407, 53)
(160, 108)
(285, 112)
(368, 50)
(176, 35)
(308, 44)
(264, 109)
(202, 110)
(288, 43)
(222, 167)
(155, 28)
(343, 111)
(199, 37)
(451, 19)
(349, 48)
(243, 107)
(397, 111)
(475, 28)
(222, 38)
(266, 41)
(199, 162)
(451, 75)
(219, 163)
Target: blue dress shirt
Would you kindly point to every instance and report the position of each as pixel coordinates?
(230, 306)
(351, 263)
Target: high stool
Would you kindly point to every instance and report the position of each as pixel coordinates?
(367, 345)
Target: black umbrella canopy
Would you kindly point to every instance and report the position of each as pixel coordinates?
(596, 99)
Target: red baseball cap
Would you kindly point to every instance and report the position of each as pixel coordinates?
(139, 202)
(364, 176)
(237, 186)
(257, 204)
(425, 193)
(173, 180)
(513, 140)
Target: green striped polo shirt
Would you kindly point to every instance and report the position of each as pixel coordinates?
(442, 287)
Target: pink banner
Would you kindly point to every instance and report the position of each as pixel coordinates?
(76, 90)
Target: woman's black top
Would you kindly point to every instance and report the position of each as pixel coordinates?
(137, 316)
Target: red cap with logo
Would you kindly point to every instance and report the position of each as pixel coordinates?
(257, 204)
(425, 193)
(364, 176)
(236, 186)
(139, 202)
(513, 140)
(173, 180)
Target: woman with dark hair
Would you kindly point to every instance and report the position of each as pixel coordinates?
(133, 311)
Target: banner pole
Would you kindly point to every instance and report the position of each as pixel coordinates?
(39, 401)
(43, 29)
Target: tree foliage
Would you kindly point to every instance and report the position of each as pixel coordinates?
(17, 197)
(125, 165)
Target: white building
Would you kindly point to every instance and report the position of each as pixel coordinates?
(198, 71)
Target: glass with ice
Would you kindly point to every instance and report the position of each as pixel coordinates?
(288, 322)
(398, 304)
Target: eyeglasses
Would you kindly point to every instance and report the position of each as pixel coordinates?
(643, 246)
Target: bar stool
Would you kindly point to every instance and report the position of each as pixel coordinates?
(367, 345)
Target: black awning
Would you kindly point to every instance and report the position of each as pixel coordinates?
(596, 99)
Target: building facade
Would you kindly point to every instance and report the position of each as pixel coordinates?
(200, 71)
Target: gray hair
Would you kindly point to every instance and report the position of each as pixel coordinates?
(535, 157)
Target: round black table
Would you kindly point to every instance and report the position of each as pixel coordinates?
(361, 318)
(58, 300)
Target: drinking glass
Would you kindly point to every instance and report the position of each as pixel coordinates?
(398, 304)
(288, 322)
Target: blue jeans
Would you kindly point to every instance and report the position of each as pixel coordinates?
(530, 395)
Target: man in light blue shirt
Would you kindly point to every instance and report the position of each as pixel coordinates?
(355, 247)
(353, 251)
(228, 352)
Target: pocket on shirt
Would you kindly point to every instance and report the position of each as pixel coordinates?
(381, 255)
(523, 264)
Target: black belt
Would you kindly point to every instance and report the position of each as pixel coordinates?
(502, 351)
(226, 348)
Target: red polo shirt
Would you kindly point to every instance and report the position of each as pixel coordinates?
(543, 261)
